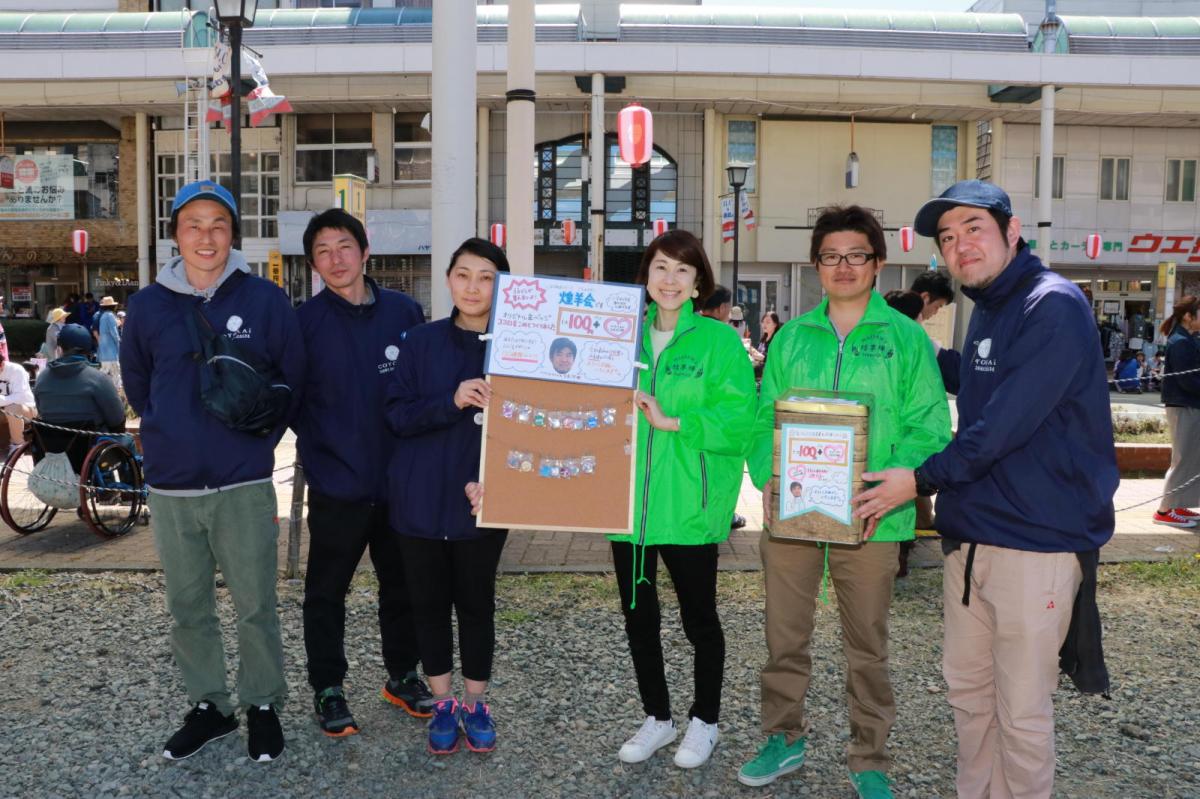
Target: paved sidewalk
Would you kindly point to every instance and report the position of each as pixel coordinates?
(68, 544)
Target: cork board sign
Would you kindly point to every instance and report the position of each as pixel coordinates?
(558, 456)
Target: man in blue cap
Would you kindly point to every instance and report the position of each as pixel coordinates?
(1024, 496)
(211, 492)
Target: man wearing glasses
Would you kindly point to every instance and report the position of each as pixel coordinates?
(852, 341)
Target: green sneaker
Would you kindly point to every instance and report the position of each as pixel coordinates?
(871, 784)
(774, 760)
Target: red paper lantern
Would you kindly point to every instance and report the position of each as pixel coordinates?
(568, 227)
(497, 234)
(79, 241)
(635, 134)
(906, 238)
(660, 227)
(1094, 244)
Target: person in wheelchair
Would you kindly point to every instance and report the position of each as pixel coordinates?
(73, 392)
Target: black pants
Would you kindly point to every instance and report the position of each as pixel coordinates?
(339, 533)
(694, 572)
(460, 575)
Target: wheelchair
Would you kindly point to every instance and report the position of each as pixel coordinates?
(112, 494)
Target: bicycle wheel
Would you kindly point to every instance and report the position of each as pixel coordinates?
(19, 508)
(111, 493)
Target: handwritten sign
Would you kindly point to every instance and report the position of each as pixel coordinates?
(571, 331)
(816, 471)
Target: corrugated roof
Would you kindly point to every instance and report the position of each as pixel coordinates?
(1126, 36)
(35, 31)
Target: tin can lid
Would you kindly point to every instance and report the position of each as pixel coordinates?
(815, 405)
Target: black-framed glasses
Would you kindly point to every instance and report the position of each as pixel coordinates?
(852, 258)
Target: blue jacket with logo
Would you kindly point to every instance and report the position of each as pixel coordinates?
(1183, 355)
(1033, 465)
(352, 351)
(437, 452)
(186, 447)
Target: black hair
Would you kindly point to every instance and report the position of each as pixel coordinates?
(684, 247)
(482, 248)
(173, 223)
(336, 219)
(563, 343)
(908, 303)
(935, 284)
(855, 218)
(720, 295)
(795, 484)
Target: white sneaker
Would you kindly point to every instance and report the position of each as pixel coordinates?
(697, 744)
(653, 735)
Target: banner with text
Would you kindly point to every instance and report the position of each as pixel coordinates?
(43, 188)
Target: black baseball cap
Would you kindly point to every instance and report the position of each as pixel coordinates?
(973, 193)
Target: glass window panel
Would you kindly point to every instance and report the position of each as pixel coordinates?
(350, 162)
(314, 166)
(352, 129)
(271, 185)
(408, 129)
(414, 163)
(944, 152)
(618, 195)
(1056, 190)
(314, 129)
(1122, 188)
(270, 228)
(1172, 180)
(1188, 184)
(1106, 178)
(742, 147)
(250, 205)
(270, 162)
(249, 184)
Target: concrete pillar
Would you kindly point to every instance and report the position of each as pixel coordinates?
(710, 231)
(453, 130)
(483, 177)
(1049, 30)
(596, 161)
(518, 211)
(144, 222)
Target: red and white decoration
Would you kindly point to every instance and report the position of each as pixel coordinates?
(748, 213)
(728, 219)
(635, 134)
(497, 235)
(568, 228)
(261, 102)
(660, 227)
(906, 238)
(1095, 242)
(79, 241)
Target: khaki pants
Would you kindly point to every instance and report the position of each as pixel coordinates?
(1000, 660)
(862, 576)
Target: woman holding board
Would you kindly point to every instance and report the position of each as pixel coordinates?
(697, 400)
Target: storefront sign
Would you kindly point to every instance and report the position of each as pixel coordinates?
(275, 267)
(43, 188)
(1126, 247)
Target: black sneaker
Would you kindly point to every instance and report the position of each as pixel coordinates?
(202, 724)
(411, 694)
(334, 713)
(266, 736)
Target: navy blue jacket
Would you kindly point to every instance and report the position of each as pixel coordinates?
(185, 446)
(1033, 465)
(1183, 354)
(950, 364)
(437, 453)
(352, 351)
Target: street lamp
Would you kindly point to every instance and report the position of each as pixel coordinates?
(235, 15)
(737, 178)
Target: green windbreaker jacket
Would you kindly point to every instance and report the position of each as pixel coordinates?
(887, 355)
(687, 482)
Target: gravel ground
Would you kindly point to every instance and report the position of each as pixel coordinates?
(89, 694)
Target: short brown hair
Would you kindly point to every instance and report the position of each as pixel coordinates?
(685, 248)
(837, 218)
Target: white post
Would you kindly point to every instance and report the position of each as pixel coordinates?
(484, 168)
(144, 222)
(596, 160)
(1046, 149)
(518, 209)
(453, 129)
(710, 230)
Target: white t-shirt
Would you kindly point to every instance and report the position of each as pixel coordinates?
(659, 339)
(14, 385)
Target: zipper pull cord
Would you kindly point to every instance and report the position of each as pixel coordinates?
(825, 579)
(639, 573)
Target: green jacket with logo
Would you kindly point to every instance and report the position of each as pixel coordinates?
(887, 355)
(687, 482)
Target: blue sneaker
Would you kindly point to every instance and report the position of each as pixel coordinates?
(478, 728)
(443, 727)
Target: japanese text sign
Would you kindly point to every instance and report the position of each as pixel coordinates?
(816, 471)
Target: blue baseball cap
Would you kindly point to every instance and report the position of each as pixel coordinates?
(75, 337)
(204, 190)
(973, 193)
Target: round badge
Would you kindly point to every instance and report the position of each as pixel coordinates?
(479, 418)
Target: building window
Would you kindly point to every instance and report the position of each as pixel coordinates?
(331, 144)
(260, 190)
(741, 146)
(413, 150)
(983, 150)
(407, 273)
(62, 181)
(1114, 178)
(1056, 180)
(1181, 180)
(944, 160)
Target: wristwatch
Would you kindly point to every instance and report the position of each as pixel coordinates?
(924, 487)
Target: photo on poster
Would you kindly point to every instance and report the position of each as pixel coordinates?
(571, 331)
(816, 468)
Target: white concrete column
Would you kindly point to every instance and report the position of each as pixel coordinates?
(710, 231)
(519, 141)
(1049, 30)
(144, 222)
(483, 175)
(596, 187)
(453, 132)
